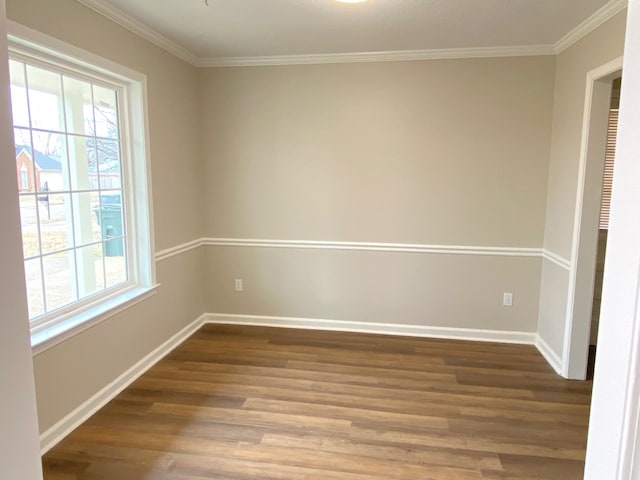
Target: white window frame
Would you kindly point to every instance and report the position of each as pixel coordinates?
(36, 47)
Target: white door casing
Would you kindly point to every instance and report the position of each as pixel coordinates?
(613, 431)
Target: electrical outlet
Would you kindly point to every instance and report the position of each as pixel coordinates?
(507, 299)
(239, 286)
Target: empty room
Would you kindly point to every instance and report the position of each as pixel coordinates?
(320, 239)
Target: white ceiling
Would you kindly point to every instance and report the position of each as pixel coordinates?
(258, 28)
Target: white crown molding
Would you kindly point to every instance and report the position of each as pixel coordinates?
(121, 18)
(124, 20)
(390, 56)
(594, 21)
(479, 335)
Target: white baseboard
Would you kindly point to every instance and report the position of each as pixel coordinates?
(547, 352)
(74, 419)
(499, 336)
(61, 429)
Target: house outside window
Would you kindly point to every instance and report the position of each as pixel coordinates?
(80, 152)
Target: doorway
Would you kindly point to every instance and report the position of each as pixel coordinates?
(582, 276)
(603, 222)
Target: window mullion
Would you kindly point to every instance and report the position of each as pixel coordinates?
(127, 182)
(73, 230)
(43, 284)
(93, 94)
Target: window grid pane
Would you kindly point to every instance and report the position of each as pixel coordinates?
(35, 286)
(29, 224)
(45, 99)
(70, 177)
(19, 104)
(60, 285)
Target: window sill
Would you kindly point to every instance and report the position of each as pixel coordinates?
(60, 331)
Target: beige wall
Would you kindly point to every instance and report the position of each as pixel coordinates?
(379, 287)
(554, 284)
(435, 152)
(450, 152)
(68, 374)
(173, 101)
(71, 372)
(604, 44)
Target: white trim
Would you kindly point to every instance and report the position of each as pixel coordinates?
(127, 21)
(79, 415)
(556, 259)
(498, 336)
(629, 453)
(61, 57)
(26, 37)
(178, 249)
(365, 246)
(549, 354)
(61, 330)
(613, 441)
(139, 28)
(359, 246)
(592, 77)
(376, 247)
(74, 419)
(594, 21)
(388, 56)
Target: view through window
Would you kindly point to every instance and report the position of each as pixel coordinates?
(70, 181)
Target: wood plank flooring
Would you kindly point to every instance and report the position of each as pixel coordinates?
(238, 403)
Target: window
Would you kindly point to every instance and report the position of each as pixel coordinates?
(85, 233)
(24, 179)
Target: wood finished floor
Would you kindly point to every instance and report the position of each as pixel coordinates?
(237, 403)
